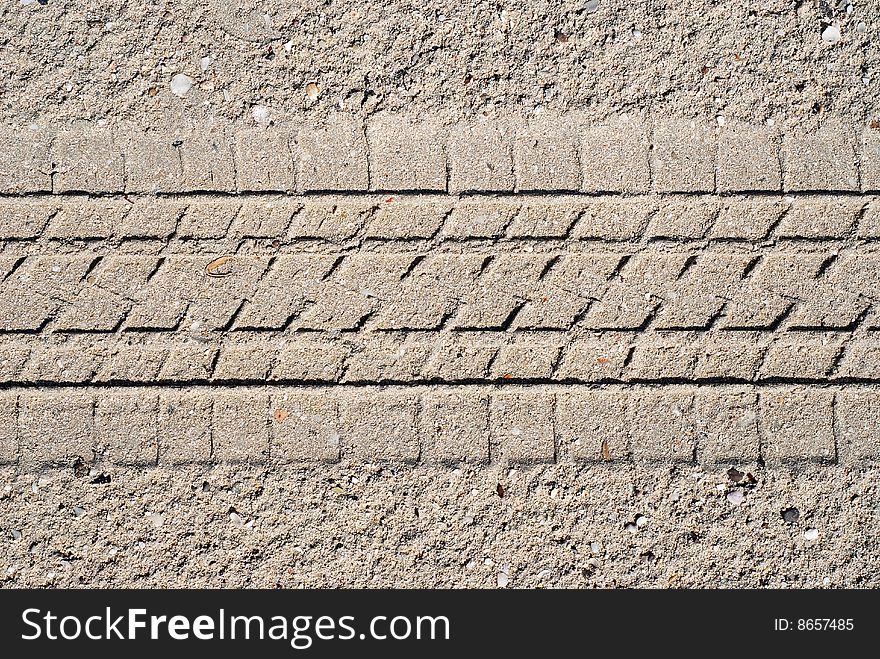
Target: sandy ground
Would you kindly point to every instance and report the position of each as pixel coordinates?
(748, 59)
(356, 525)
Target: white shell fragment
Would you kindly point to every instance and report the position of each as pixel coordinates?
(831, 34)
(736, 497)
(261, 114)
(181, 84)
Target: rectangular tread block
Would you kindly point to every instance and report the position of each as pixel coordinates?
(25, 218)
(820, 217)
(595, 359)
(264, 218)
(614, 219)
(208, 220)
(480, 219)
(381, 425)
(821, 160)
(727, 426)
(305, 426)
(683, 156)
(594, 424)
(525, 360)
(333, 157)
(25, 160)
(406, 154)
(184, 427)
(662, 426)
(152, 160)
(264, 160)
(56, 427)
(522, 426)
(407, 220)
(744, 218)
(206, 160)
(858, 417)
(481, 157)
(870, 158)
(545, 155)
(87, 159)
(92, 219)
(456, 426)
(748, 159)
(683, 219)
(798, 425)
(151, 218)
(614, 156)
(126, 427)
(241, 427)
(307, 361)
(8, 427)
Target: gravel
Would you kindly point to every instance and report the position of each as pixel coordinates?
(749, 61)
(298, 533)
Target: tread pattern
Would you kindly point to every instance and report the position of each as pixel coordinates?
(535, 291)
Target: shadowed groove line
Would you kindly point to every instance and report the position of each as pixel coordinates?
(419, 193)
(496, 383)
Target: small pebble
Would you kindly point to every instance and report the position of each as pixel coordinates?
(811, 534)
(235, 518)
(791, 515)
(205, 62)
(736, 497)
(79, 512)
(503, 580)
(313, 90)
(156, 519)
(261, 114)
(543, 575)
(181, 84)
(831, 34)
(592, 6)
(594, 547)
(16, 534)
(862, 28)
(632, 528)
(641, 521)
